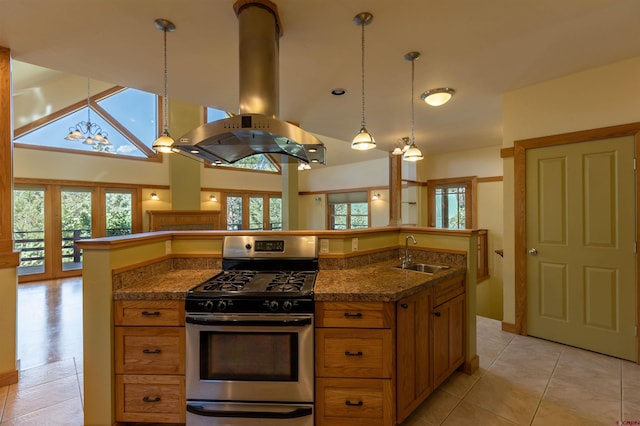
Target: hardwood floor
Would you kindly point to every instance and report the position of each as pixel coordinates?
(521, 381)
(49, 322)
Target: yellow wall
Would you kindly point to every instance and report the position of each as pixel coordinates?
(8, 302)
(599, 97)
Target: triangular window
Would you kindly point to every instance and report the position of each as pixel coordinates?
(126, 117)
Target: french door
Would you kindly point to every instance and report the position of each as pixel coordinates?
(49, 219)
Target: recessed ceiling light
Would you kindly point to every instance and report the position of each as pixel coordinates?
(338, 92)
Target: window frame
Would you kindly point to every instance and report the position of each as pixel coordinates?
(469, 183)
(151, 155)
(330, 216)
(246, 196)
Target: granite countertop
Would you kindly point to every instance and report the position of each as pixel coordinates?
(379, 282)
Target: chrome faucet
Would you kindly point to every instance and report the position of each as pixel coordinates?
(406, 260)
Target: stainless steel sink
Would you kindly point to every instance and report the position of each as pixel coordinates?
(423, 267)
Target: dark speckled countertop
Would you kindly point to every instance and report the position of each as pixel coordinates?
(371, 283)
(379, 282)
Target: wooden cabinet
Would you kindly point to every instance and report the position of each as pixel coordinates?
(414, 351)
(355, 363)
(149, 361)
(448, 332)
(376, 362)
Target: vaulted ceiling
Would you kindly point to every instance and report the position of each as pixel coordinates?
(482, 49)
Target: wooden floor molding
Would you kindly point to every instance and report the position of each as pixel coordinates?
(9, 378)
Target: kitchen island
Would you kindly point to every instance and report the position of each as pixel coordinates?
(160, 267)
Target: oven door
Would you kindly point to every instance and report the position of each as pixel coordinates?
(206, 413)
(250, 357)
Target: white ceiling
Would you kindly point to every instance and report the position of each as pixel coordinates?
(482, 49)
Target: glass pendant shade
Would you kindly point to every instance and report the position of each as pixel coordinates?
(363, 141)
(164, 143)
(412, 154)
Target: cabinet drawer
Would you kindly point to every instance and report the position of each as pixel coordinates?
(157, 399)
(448, 290)
(354, 353)
(150, 350)
(149, 312)
(354, 314)
(354, 402)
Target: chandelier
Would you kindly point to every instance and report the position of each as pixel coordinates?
(86, 131)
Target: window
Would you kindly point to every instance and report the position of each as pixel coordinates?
(28, 229)
(348, 210)
(50, 216)
(128, 116)
(118, 213)
(451, 203)
(253, 211)
(234, 212)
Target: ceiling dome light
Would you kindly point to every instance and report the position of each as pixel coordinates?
(437, 97)
(363, 139)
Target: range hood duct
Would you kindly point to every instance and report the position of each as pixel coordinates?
(256, 130)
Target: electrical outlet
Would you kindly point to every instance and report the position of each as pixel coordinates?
(167, 247)
(324, 245)
(354, 244)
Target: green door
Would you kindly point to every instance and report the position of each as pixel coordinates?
(581, 271)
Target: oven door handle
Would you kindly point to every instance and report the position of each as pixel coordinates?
(295, 322)
(295, 413)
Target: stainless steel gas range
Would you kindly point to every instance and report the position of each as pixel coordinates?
(250, 343)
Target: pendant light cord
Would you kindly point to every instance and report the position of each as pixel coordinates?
(413, 138)
(88, 103)
(165, 101)
(362, 44)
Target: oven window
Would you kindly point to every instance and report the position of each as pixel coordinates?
(249, 356)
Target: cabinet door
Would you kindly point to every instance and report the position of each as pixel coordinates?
(448, 338)
(414, 341)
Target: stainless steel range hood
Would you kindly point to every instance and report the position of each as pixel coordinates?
(255, 130)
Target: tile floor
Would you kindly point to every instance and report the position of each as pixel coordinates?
(521, 381)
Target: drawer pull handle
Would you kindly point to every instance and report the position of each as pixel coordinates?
(147, 399)
(348, 315)
(150, 351)
(353, 404)
(150, 314)
(437, 314)
(404, 306)
(348, 353)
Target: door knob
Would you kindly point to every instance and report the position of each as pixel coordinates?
(533, 252)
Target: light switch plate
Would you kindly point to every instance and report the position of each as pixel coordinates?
(167, 247)
(354, 244)
(324, 245)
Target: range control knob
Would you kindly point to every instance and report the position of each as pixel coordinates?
(273, 305)
(247, 246)
(208, 305)
(287, 305)
(221, 306)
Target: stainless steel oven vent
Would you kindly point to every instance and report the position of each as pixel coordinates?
(256, 130)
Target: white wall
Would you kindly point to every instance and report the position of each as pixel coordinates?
(599, 97)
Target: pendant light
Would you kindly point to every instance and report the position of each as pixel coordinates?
(412, 153)
(363, 140)
(165, 142)
(88, 132)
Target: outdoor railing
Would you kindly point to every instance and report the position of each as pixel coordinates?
(31, 246)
